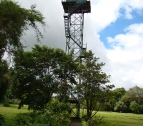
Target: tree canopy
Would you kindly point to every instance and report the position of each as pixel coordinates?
(94, 82)
(4, 78)
(41, 72)
(14, 20)
(134, 96)
(115, 96)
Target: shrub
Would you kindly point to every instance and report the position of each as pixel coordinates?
(2, 120)
(22, 119)
(56, 114)
(120, 107)
(96, 120)
(6, 104)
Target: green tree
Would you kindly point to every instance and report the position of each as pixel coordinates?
(134, 106)
(93, 88)
(4, 79)
(14, 21)
(40, 73)
(120, 107)
(109, 104)
(115, 96)
(118, 93)
(55, 114)
(133, 94)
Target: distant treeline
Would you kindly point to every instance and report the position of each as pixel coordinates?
(121, 100)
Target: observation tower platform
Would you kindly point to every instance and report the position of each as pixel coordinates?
(71, 3)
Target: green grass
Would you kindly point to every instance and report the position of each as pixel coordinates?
(120, 119)
(108, 118)
(10, 112)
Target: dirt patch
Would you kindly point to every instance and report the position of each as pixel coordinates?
(76, 121)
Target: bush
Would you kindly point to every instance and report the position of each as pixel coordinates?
(120, 107)
(22, 119)
(96, 120)
(2, 120)
(6, 104)
(56, 114)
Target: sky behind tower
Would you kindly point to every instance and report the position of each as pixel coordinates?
(113, 31)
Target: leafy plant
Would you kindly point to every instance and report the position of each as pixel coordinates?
(14, 21)
(95, 121)
(120, 107)
(23, 119)
(2, 120)
(134, 106)
(6, 104)
(93, 88)
(33, 83)
(56, 114)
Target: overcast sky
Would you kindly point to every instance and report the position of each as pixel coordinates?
(113, 31)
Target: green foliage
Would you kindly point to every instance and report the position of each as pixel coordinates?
(134, 106)
(120, 107)
(39, 73)
(114, 96)
(118, 93)
(125, 101)
(6, 103)
(107, 118)
(2, 120)
(14, 20)
(133, 94)
(96, 120)
(22, 119)
(4, 79)
(109, 104)
(93, 88)
(56, 114)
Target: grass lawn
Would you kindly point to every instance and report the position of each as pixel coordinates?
(10, 112)
(108, 118)
(120, 119)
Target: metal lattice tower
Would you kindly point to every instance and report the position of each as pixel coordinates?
(74, 23)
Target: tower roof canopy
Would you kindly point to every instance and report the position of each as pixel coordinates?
(68, 4)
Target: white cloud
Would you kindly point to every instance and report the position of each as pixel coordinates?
(105, 12)
(135, 4)
(124, 60)
(126, 63)
(128, 12)
(135, 28)
(53, 12)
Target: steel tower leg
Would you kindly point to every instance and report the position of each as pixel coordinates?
(74, 40)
